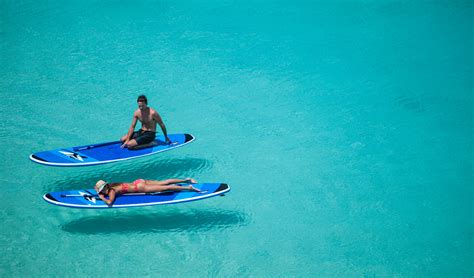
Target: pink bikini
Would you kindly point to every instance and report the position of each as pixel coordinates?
(124, 186)
(136, 182)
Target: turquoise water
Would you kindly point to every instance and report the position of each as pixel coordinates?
(344, 128)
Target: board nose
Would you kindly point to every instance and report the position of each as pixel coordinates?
(222, 187)
(188, 137)
(49, 197)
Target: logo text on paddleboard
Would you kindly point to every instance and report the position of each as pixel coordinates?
(87, 197)
(76, 156)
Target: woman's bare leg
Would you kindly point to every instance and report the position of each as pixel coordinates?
(149, 188)
(173, 181)
(155, 182)
(170, 181)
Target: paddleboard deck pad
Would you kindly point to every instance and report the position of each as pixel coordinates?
(106, 152)
(90, 200)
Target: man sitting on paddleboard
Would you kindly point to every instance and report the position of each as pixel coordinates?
(149, 118)
(111, 190)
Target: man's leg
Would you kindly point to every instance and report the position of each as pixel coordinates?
(144, 140)
(134, 135)
(132, 144)
(144, 146)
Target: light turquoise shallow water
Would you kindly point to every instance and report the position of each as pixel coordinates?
(344, 128)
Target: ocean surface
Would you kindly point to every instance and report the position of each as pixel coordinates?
(345, 129)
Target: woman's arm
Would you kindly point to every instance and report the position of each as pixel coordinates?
(102, 197)
(111, 199)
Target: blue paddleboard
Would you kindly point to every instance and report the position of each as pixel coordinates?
(88, 198)
(106, 152)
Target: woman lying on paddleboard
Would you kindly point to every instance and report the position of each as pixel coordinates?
(111, 190)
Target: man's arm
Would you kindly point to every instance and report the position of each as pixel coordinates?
(158, 119)
(131, 129)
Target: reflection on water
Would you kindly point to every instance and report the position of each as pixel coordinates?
(156, 169)
(197, 220)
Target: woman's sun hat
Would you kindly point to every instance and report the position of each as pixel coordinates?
(100, 185)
